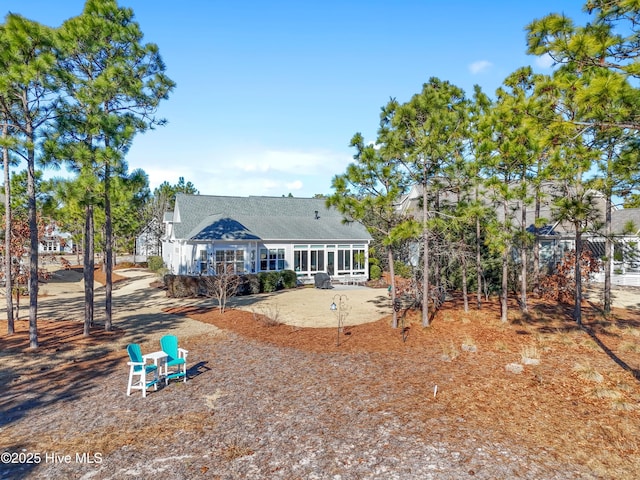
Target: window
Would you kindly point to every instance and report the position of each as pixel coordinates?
(344, 257)
(229, 261)
(317, 258)
(359, 258)
(271, 259)
(204, 268)
(300, 260)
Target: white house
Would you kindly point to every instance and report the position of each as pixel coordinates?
(208, 234)
(55, 242)
(148, 242)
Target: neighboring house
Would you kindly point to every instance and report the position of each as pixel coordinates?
(149, 241)
(55, 242)
(208, 234)
(625, 225)
(556, 238)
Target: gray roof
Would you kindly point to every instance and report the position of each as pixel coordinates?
(621, 220)
(208, 217)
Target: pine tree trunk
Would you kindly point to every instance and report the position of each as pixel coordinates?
(33, 249)
(88, 273)
(505, 286)
(425, 266)
(478, 265)
(608, 248)
(536, 248)
(392, 274)
(108, 249)
(523, 261)
(7, 238)
(464, 285)
(505, 276)
(577, 311)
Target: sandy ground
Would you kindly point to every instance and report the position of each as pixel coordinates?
(62, 298)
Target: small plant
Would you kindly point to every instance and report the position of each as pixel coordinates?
(590, 344)
(606, 393)
(270, 281)
(402, 269)
(375, 272)
(234, 450)
(628, 346)
(449, 352)
(501, 346)
(469, 345)
(563, 337)
(447, 317)
(634, 331)
(268, 316)
(155, 263)
(249, 284)
(530, 355)
(587, 372)
(623, 405)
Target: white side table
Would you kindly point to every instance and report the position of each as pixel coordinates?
(159, 359)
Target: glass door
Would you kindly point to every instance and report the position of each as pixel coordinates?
(331, 255)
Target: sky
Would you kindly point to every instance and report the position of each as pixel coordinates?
(269, 93)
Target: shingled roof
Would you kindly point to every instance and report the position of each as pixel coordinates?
(208, 218)
(625, 219)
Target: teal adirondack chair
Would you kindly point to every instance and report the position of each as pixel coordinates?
(138, 371)
(176, 358)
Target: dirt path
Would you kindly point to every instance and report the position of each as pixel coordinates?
(621, 296)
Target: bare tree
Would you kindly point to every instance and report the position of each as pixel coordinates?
(222, 286)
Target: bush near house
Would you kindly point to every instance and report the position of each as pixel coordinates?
(375, 272)
(289, 278)
(189, 286)
(155, 263)
(249, 285)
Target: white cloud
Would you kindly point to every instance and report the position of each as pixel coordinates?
(480, 66)
(544, 61)
(284, 161)
(255, 171)
(295, 185)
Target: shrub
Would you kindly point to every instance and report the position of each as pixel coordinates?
(402, 269)
(155, 263)
(262, 278)
(272, 282)
(289, 279)
(181, 286)
(375, 272)
(560, 285)
(249, 284)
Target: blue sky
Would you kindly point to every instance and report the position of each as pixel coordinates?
(269, 94)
